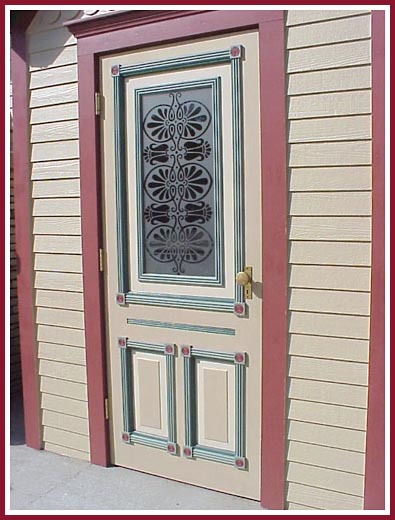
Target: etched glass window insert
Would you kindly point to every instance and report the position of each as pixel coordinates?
(180, 207)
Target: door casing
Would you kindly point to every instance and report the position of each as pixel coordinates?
(161, 27)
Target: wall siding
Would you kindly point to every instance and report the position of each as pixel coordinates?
(57, 234)
(329, 136)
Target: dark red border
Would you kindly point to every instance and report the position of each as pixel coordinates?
(23, 230)
(167, 29)
(375, 439)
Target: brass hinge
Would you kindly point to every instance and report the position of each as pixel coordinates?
(106, 413)
(97, 103)
(101, 260)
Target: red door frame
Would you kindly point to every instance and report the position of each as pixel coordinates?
(164, 26)
(159, 28)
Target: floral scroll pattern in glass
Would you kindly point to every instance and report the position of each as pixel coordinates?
(177, 183)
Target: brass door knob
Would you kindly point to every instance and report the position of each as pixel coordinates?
(243, 278)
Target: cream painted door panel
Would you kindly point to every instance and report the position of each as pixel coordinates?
(182, 216)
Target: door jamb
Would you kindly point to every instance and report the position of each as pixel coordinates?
(164, 27)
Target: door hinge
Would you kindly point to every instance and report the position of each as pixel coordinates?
(106, 412)
(101, 260)
(97, 103)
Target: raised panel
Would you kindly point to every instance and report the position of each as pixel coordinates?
(150, 407)
(215, 405)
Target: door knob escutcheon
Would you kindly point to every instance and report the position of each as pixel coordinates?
(244, 279)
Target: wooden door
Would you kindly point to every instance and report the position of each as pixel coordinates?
(182, 214)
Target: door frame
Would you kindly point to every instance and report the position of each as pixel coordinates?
(164, 27)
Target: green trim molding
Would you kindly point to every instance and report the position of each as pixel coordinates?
(182, 326)
(232, 56)
(191, 448)
(129, 434)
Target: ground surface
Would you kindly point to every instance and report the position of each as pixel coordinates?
(45, 481)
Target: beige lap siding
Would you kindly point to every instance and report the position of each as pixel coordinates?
(329, 135)
(57, 234)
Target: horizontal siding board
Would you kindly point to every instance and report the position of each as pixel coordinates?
(327, 414)
(60, 299)
(58, 263)
(332, 104)
(57, 226)
(331, 204)
(296, 17)
(50, 39)
(331, 154)
(65, 422)
(51, 77)
(330, 129)
(57, 244)
(336, 302)
(67, 439)
(323, 498)
(352, 78)
(46, 96)
(64, 405)
(329, 348)
(49, 385)
(338, 55)
(331, 436)
(60, 318)
(327, 479)
(330, 253)
(58, 281)
(58, 131)
(69, 169)
(56, 207)
(66, 452)
(330, 370)
(292, 507)
(344, 229)
(53, 58)
(326, 32)
(331, 458)
(60, 370)
(52, 334)
(55, 151)
(330, 393)
(332, 178)
(330, 277)
(336, 325)
(61, 112)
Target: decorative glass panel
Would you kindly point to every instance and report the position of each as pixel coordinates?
(179, 183)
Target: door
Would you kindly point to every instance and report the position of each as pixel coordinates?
(182, 226)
